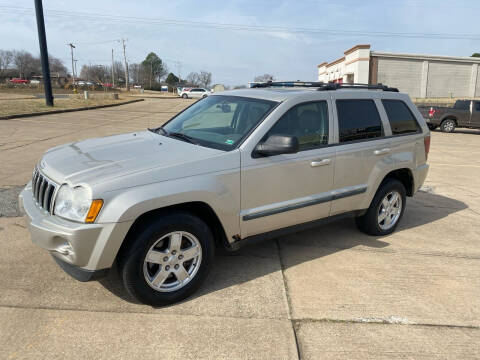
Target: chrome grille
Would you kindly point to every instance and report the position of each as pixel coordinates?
(43, 190)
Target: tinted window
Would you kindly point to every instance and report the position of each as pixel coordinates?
(358, 120)
(401, 118)
(308, 122)
(477, 105)
(462, 104)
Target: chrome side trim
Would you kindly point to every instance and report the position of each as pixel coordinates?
(319, 199)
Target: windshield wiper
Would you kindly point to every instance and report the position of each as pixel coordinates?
(183, 137)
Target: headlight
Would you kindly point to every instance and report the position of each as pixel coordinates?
(76, 204)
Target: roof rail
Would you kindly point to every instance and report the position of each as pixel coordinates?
(288, 84)
(323, 86)
(336, 86)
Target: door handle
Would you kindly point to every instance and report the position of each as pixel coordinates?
(382, 151)
(320, 162)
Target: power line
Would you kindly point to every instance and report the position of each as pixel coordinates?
(240, 27)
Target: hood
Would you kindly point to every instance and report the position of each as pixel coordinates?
(98, 160)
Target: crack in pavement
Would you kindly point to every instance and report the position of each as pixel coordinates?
(289, 302)
(380, 321)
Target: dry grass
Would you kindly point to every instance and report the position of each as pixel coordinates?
(26, 106)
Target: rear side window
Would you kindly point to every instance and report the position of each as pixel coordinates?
(462, 104)
(358, 120)
(401, 118)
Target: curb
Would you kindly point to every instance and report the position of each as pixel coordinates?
(17, 116)
(158, 97)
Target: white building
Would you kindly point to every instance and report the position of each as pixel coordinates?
(421, 76)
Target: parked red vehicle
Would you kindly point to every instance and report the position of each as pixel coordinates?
(107, 85)
(19, 81)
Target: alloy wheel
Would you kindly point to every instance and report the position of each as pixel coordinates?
(389, 210)
(172, 261)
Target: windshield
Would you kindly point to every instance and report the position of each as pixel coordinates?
(218, 121)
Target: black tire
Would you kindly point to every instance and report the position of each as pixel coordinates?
(432, 127)
(448, 125)
(131, 261)
(204, 96)
(185, 96)
(368, 223)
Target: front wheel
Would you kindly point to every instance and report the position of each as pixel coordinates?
(185, 96)
(385, 211)
(432, 127)
(168, 260)
(448, 125)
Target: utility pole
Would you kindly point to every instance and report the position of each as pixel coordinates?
(127, 84)
(179, 67)
(73, 69)
(113, 71)
(75, 63)
(42, 40)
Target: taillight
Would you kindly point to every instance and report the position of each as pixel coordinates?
(426, 142)
(431, 112)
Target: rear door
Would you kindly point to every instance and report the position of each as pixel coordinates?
(363, 151)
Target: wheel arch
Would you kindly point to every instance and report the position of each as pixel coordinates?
(197, 208)
(449, 117)
(405, 176)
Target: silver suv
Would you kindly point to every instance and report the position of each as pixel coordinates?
(231, 169)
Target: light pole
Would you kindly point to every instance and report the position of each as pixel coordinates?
(42, 40)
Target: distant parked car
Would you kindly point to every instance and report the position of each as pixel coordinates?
(465, 113)
(194, 93)
(19, 81)
(137, 86)
(107, 85)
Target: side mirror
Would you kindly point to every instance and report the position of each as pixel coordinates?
(225, 108)
(276, 145)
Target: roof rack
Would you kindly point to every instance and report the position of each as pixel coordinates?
(336, 86)
(288, 84)
(321, 86)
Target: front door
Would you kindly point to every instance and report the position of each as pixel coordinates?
(289, 189)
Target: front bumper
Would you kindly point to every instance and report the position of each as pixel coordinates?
(85, 251)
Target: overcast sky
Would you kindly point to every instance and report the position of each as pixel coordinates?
(235, 56)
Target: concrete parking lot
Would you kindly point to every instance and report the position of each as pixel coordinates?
(328, 293)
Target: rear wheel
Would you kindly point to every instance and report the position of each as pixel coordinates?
(386, 209)
(432, 127)
(168, 260)
(185, 96)
(448, 125)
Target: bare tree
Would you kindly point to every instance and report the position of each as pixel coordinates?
(136, 73)
(56, 66)
(6, 59)
(96, 73)
(119, 71)
(205, 78)
(193, 79)
(264, 78)
(26, 64)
